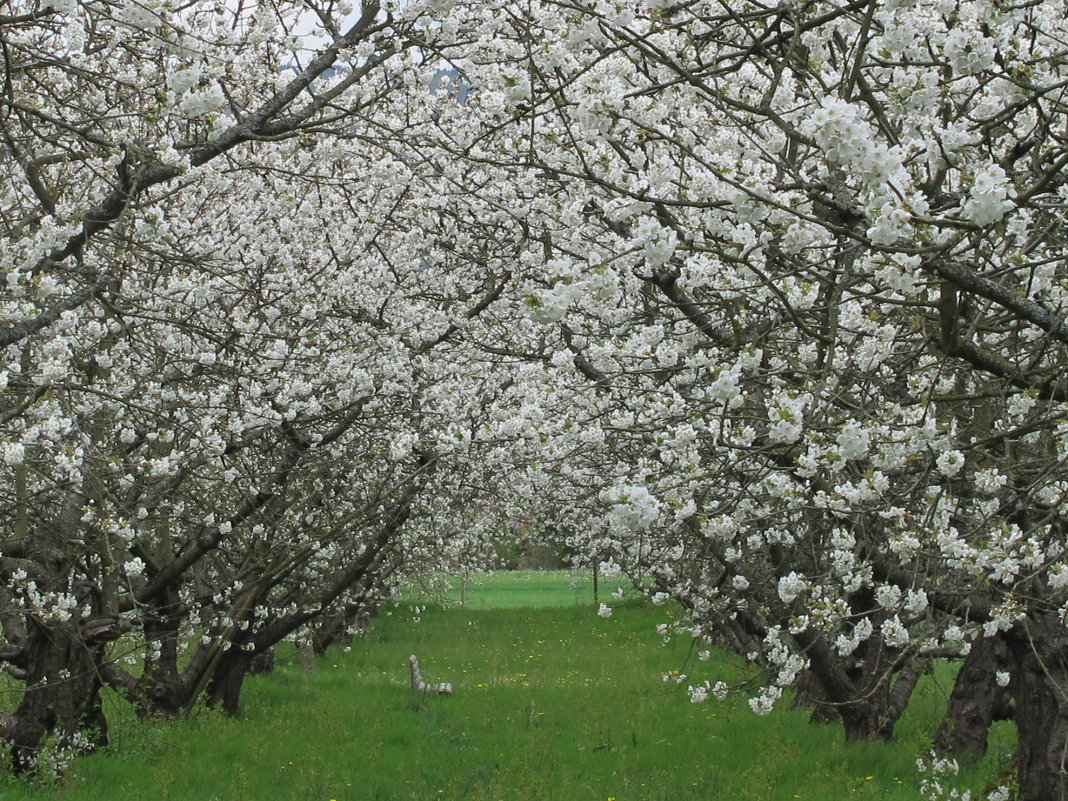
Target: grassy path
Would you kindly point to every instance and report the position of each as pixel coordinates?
(550, 702)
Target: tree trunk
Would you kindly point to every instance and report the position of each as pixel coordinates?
(263, 662)
(164, 688)
(161, 690)
(976, 701)
(335, 628)
(62, 696)
(863, 720)
(1039, 683)
(224, 688)
(810, 695)
(869, 691)
(306, 656)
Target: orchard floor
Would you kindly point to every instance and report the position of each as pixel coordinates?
(550, 702)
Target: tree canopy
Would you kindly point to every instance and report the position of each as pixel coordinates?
(763, 302)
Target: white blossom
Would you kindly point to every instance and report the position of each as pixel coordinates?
(791, 586)
(949, 463)
(990, 197)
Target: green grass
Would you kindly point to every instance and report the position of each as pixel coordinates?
(550, 702)
(528, 589)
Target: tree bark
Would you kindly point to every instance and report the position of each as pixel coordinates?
(263, 662)
(860, 721)
(62, 696)
(161, 690)
(224, 689)
(307, 657)
(810, 695)
(869, 691)
(976, 701)
(1039, 680)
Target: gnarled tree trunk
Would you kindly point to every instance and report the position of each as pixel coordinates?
(62, 696)
(1038, 647)
(869, 691)
(976, 701)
